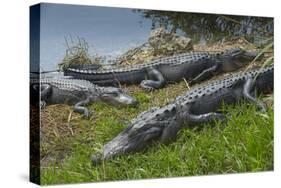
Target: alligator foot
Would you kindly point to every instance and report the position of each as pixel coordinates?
(86, 114)
(42, 104)
(185, 117)
(81, 109)
(169, 133)
(155, 80)
(144, 84)
(249, 85)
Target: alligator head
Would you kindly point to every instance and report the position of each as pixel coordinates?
(117, 96)
(146, 128)
(235, 58)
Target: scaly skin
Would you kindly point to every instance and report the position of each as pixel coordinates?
(196, 106)
(78, 93)
(193, 67)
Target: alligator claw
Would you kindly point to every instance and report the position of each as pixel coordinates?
(261, 107)
(149, 89)
(220, 117)
(42, 104)
(146, 87)
(86, 114)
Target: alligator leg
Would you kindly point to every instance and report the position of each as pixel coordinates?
(203, 118)
(42, 104)
(184, 116)
(157, 82)
(204, 75)
(79, 107)
(46, 89)
(169, 133)
(248, 87)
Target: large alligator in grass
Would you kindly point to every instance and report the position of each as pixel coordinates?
(198, 105)
(78, 93)
(194, 67)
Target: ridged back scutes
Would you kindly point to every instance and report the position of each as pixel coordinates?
(217, 85)
(189, 57)
(151, 115)
(69, 84)
(174, 60)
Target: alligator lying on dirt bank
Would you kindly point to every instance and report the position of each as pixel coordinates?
(194, 67)
(196, 106)
(78, 93)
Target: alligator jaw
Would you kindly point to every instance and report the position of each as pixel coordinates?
(236, 59)
(121, 100)
(145, 129)
(115, 147)
(134, 138)
(250, 55)
(127, 100)
(245, 58)
(118, 97)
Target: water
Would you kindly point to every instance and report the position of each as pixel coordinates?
(108, 31)
(112, 31)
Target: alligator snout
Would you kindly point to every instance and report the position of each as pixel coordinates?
(134, 103)
(250, 55)
(118, 97)
(236, 59)
(124, 98)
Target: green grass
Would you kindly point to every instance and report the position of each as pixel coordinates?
(242, 144)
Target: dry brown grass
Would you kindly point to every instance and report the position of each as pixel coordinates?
(57, 128)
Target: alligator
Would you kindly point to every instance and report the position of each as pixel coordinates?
(198, 105)
(194, 67)
(78, 93)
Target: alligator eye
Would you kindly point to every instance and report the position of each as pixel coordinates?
(115, 94)
(166, 111)
(236, 51)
